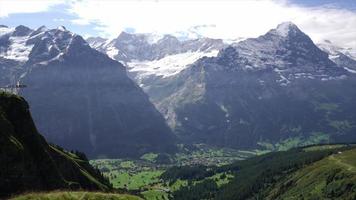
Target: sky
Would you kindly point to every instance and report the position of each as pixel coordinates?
(334, 20)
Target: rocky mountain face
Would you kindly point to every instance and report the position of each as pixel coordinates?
(152, 58)
(277, 89)
(29, 163)
(80, 98)
(128, 47)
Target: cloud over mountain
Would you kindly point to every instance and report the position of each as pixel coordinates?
(215, 19)
(228, 20)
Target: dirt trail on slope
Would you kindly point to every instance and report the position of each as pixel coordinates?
(342, 163)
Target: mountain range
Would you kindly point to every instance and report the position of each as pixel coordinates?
(142, 93)
(275, 90)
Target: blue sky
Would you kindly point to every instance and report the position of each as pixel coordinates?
(347, 4)
(55, 16)
(321, 19)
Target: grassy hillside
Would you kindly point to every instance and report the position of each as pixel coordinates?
(333, 177)
(314, 172)
(75, 196)
(29, 163)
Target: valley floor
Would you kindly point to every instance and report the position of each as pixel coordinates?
(144, 176)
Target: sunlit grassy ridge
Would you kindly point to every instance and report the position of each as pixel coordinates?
(333, 177)
(60, 195)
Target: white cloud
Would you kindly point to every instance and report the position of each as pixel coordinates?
(59, 20)
(225, 19)
(80, 21)
(25, 6)
(217, 19)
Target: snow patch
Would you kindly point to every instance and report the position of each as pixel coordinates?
(283, 80)
(235, 40)
(333, 57)
(169, 65)
(350, 70)
(62, 28)
(225, 110)
(5, 30)
(334, 78)
(18, 50)
(284, 28)
(112, 52)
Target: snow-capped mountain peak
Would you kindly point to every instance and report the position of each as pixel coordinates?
(41, 29)
(147, 46)
(287, 51)
(53, 44)
(96, 42)
(283, 46)
(152, 56)
(23, 44)
(285, 28)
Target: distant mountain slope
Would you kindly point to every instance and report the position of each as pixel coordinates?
(276, 90)
(314, 172)
(340, 56)
(279, 88)
(80, 98)
(29, 163)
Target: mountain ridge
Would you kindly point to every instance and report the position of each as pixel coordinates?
(245, 81)
(81, 98)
